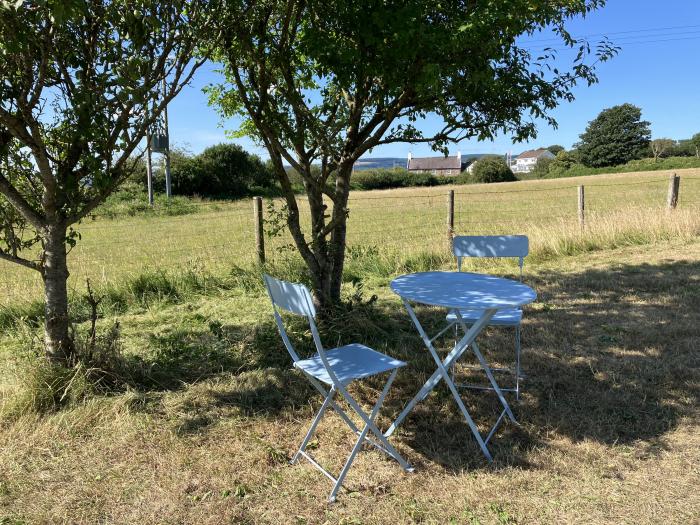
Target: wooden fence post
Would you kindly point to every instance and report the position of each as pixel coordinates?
(259, 236)
(581, 207)
(674, 183)
(450, 218)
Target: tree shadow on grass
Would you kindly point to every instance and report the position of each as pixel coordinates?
(180, 357)
(610, 356)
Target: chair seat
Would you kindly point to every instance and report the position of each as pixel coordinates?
(349, 362)
(505, 317)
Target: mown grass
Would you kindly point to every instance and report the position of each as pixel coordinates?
(608, 417)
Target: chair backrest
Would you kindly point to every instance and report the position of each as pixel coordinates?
(296, 299)
(491, 246)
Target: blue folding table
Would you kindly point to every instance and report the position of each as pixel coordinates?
(457, 292)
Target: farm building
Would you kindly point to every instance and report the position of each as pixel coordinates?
(437, 165)
(525, 162)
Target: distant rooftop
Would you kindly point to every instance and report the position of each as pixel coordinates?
(435, 163)
(533, 153)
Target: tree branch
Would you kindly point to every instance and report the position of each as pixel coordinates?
(19, 260)
(19, 202)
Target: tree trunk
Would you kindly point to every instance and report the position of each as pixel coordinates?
(324, 256)
(59, 345)
(339, 234)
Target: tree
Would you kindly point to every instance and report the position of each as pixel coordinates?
(80, 84)
(564, 161)
(321, 83)
(659, 146)
(556, 148)
(542, 167)
(491, 169)
(616, 136)
(223, 170)
(695, 142)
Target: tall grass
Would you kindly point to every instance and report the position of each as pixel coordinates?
(403, 225)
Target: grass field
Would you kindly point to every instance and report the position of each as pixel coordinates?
(202, 430)
(400, 223)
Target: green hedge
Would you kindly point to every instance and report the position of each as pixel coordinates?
(382, 179)
(669, 163)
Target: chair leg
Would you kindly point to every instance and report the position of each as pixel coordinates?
(517, 363)
(316, 421)
(369, 422)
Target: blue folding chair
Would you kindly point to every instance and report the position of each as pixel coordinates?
(336, 369)
(493, 246)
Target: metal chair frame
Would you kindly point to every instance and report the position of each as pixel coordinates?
(296, 299)
(492, 246)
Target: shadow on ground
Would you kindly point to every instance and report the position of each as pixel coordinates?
(610, 355)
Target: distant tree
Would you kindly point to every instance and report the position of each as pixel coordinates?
(224, 171)
(80, 84)
(695, 142)
(178, 155)
(616, 136)
(491, 169)
(322, 83)
(556, 148)
(660, 146)
(680, 148)
(564, 161)
(542, 166)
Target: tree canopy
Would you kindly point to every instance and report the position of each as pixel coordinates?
(80, 84)
(325, 82)
(661, 146)
(491, 169)
(616, 136)
(220, 171)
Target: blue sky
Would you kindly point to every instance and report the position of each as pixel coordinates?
(657, 70)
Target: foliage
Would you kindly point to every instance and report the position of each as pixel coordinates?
(80, 84)
(695, 143)
(221, 171)
(617, 135)
(556, 148)
(648, 164)
(381, 179)
(325, 82)
(542, 167)
(661, 146)
(491, 169)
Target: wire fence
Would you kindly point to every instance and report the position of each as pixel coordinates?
(408, 221)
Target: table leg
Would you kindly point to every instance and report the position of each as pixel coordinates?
(487, 369)
(441, 372)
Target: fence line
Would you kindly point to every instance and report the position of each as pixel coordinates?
(225, 237)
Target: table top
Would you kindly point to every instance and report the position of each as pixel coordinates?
(463, 290)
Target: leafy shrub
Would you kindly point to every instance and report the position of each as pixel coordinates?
(557, 170)
(221, 171)
(541, 168)
(491, 169)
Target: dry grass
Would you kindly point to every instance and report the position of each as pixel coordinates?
(609, 417)
(403, 223)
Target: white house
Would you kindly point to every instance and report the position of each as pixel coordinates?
(525, 162)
